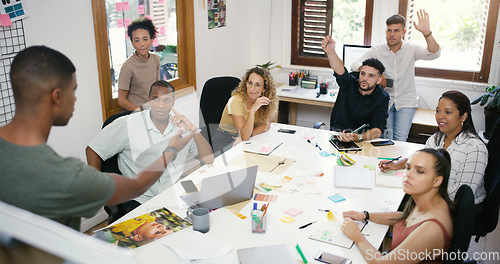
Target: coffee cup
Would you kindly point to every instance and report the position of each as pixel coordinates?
(200, 218)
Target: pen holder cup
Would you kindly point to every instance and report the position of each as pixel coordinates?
(323, 89)
(258, 222)
(292, 81)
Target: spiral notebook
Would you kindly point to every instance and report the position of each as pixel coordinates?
(332, 234)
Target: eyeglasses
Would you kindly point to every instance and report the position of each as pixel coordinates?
(256, 85)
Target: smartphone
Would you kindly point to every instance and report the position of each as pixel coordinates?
(189, 186)
(289, 131)
(329, 258)
(382, 143)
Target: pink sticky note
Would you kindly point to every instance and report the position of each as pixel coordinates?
(5, 20)
(148, 17)
(400, 174)
(308, 137)
(119, 23)
(126, 22)
(119, 6)
(265, 149)
(140, 8)
(126, 35)
(293, 211)
(162, 31)
(160, 1)
(155, 42)
(126, 6)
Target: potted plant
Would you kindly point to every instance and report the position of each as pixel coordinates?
(492, 109)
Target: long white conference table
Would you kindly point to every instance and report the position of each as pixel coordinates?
(304, 191)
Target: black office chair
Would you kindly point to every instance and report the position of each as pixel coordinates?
(111, 165)
(216, 92)
(463, 223)
(487, 220)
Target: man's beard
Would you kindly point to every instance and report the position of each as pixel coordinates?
(369, 88)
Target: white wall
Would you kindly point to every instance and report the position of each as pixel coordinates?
(225, 51)
(67, 27)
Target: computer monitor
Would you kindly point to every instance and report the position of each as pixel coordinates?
(353, 52)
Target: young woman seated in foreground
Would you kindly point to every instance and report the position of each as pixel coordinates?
(425, 226)
(250, 110)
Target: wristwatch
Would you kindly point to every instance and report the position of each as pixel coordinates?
(173, 150)
(367, 216)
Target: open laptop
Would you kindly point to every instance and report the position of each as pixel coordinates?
(223, 189)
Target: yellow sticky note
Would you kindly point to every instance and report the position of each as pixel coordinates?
(370, 167)
(331, 217)
(287, 219)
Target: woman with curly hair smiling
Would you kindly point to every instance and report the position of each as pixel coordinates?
(250, 110)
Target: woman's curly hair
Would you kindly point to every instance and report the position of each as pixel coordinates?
(266, 112)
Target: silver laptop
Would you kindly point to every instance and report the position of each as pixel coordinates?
(223, 189)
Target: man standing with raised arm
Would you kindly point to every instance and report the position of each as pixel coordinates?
(399, 58)
(359, 102)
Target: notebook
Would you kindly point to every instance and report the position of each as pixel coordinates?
(223, 189)
(352, 177)
(332, 234)
(274, 254)
(264, 148)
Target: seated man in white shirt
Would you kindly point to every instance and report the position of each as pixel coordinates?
(141, 137)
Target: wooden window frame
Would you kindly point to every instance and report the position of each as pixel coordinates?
(316, 61)
(476, 76)
(185, 52)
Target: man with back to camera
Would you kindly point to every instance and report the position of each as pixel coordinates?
(32, 175)
(399, 58)
(360, 101)
(141, 137)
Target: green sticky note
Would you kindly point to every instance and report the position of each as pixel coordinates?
(370, 167)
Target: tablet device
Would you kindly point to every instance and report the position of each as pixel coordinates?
(382, 143)
(344, 146)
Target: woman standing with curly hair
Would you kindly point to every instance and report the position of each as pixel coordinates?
(250, 110)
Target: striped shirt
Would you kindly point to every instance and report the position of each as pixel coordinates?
(469, 157)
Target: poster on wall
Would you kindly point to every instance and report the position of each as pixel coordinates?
(216, 13)
(13, 9)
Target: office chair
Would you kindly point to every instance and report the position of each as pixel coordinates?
(216, 92)
(486, 221)
(463, 223)
(111, 165)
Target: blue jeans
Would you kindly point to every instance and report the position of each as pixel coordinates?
(399, 123)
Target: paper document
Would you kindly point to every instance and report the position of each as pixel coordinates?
(352, 177)
(392, 179)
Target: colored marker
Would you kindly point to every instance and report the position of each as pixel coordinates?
(301, 254)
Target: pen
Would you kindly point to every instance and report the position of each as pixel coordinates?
(263, 215)
(359, 128)
(318, 146)
(324, 210)
(308, 224)
(392, 160)
(301, 254)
